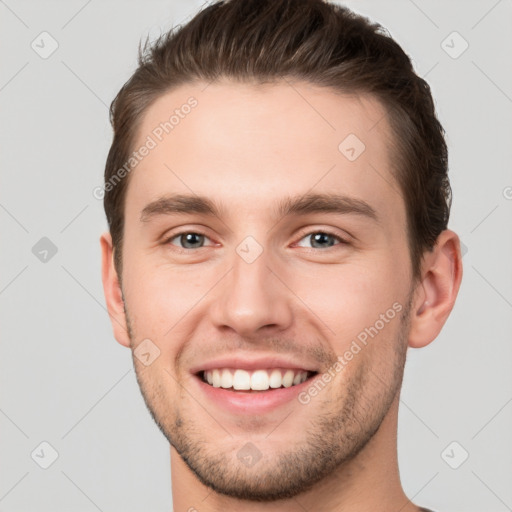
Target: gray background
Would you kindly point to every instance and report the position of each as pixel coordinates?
(65, 380)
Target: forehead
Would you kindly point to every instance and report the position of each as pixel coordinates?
(249, 145)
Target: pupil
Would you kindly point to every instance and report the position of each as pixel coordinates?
(190, 239)
(321, 238)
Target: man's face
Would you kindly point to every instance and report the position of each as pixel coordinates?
(255, 288)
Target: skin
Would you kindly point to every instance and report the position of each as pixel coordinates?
(248, 147)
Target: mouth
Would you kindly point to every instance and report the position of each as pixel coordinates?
(255, 381)
(243, 384)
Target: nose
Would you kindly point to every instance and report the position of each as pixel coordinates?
(253, 298)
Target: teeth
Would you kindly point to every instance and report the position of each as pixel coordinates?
(226, 379)
(275, 380)
(241, 379)
(288, 379)
(258, 380)
(215, 378)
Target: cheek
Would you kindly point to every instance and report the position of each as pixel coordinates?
(353, 302)
(159, 298)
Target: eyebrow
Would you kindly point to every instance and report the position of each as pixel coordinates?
(290, 206)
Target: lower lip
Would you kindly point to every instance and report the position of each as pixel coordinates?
(240, 402)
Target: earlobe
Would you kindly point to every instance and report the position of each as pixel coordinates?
(112, 290)
(437, 292)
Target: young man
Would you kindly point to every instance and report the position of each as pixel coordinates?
(278, 201)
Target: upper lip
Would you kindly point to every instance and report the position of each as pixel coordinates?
(254, 363)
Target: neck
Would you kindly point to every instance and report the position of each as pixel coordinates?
(370, 481)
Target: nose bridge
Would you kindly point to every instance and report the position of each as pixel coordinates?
(251, 296)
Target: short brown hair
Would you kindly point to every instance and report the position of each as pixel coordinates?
(311, 40)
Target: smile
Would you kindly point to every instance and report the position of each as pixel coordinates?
(253, 392)
(257, 380)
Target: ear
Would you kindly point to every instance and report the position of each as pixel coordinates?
(436, 293)
(113, 292)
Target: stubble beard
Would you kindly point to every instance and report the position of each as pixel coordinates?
(337, 433)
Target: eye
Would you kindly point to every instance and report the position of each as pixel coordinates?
(194, 240)
(188, 240)
(321, 239)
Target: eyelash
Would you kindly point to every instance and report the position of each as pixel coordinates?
(302, 236)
